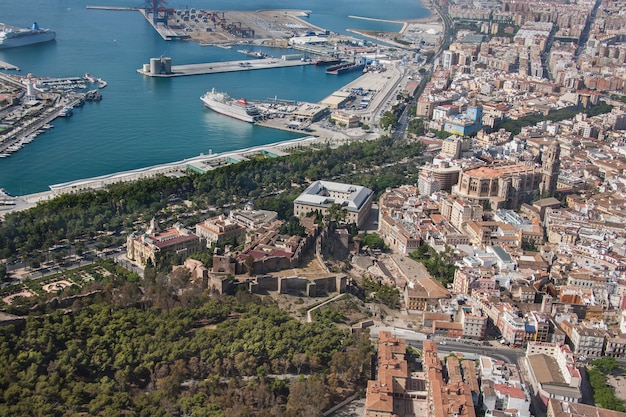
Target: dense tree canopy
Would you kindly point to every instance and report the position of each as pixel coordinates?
(416, 126)
(603, 394)
(271, 183)
(606, 365)
(440, 265)
(388, 119)
(105, 359)
(373, 241)
(376, 291)
(515, 126)
(293, 227)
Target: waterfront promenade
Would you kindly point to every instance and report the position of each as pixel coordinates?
(201, 163)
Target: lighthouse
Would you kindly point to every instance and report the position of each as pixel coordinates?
(31, 93)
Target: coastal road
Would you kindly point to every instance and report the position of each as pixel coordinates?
(447, 29)
(403, 123)
(386, 95)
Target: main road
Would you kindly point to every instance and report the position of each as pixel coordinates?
(471, 350)
(416, 339)
(447, 28)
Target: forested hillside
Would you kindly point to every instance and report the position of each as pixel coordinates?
(151, 349)
(227, 356)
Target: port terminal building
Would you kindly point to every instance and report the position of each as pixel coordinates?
(309, 112)
(338, 99)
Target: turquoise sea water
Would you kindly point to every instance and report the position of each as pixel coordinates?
(143, 121)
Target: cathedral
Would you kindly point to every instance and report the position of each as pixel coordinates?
(550, 165)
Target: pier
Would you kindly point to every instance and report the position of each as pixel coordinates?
(155, 69)
(166, 32)
(113, 8)
(7, 66)
(30, 119)
(21, 135)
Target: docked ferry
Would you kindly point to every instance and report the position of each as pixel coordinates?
(238, 109)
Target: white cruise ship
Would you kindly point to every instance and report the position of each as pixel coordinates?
(238, 109)
(11, 37)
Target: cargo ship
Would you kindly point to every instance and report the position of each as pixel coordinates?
(327, 62)
(11, 37)
(345, 67)
(238, 109)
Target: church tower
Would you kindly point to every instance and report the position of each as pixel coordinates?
(154, 227)
(550, 166)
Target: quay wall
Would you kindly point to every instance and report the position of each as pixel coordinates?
(220, 67)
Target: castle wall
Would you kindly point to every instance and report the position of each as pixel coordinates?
(310, 287)
(221, 284)
(290, 284)
(266, 283)
(275, 263)
(223, 264)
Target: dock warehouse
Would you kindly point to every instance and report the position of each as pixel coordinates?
(308, 40)
(309, 112)
(337, 100)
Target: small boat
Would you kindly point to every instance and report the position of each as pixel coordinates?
(29, 138)
(67, 111)
(14, 148)
(93, 95)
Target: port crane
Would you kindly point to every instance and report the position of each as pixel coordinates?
(159, 11)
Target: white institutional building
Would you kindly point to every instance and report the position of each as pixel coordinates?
(321, 195)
